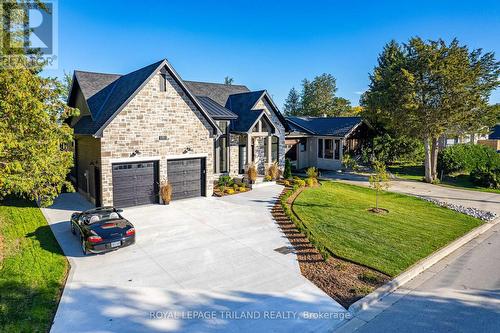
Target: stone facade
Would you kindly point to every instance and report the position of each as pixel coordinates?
(150, 114)
(263, 104)
(234, 156)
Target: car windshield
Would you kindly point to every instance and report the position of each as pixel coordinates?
(101, 216)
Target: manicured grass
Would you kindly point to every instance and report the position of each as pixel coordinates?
(416, 172)
(413, 229)
(32, 269)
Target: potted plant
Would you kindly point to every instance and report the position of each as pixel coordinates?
(166, 192)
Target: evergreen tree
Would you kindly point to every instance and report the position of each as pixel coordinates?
(424, 89)
(292, 104)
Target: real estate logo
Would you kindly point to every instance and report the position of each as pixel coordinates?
(28, 28)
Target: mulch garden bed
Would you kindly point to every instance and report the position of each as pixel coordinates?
(344, 281)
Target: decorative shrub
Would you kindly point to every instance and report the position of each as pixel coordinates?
(348, 162)
(296, 177)
(310, 182)
(274, 171)
(230, 191)
(225, 181)
(235, 187)
(464, 158)
(166, 192)
(312, 172)
(268, 178)
(287, 173)
(486, 178)
(300, 182)
(252, 172)
(286, 183)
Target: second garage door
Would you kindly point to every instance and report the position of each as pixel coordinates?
(187, 177)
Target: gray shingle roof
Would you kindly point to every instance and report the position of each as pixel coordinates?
(328, 126)
(216, 110)
(216, 91)
(91, 82)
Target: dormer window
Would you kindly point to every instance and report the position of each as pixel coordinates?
(163, 82)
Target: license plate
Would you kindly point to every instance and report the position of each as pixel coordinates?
(115, 244)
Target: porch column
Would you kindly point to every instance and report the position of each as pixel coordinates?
(269, 149)
(249, 149)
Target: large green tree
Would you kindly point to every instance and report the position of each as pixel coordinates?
(292, 103)
(34, 159)
(317, 98)
(425, 89)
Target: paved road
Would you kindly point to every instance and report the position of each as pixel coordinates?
(459, 294)
(199, 265)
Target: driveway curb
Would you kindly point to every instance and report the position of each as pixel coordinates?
(418, 268)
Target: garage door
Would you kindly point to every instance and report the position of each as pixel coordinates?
(187, 177)
(135, 184)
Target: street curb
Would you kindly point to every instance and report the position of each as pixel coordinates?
(417, 268)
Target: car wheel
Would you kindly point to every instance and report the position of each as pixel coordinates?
(84, 248)
(73, 231)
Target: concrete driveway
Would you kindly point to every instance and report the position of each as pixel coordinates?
(199, 265)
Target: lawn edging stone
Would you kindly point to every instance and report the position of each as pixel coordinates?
(387, 289)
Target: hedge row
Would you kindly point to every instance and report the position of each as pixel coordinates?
(465, 158)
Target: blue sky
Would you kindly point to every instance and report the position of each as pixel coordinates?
(269, 45)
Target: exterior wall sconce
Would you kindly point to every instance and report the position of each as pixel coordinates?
(187, 150)
(135, 153)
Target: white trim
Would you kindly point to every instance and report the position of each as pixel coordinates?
(139, 158)
(184, 156)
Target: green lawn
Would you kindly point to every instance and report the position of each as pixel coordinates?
(32, 269)
(416, 172)
(412, 230)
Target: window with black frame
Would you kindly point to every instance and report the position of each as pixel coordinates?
(221, 149)
(275, 149)
(320, 148)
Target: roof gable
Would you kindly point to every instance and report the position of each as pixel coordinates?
(106, 103)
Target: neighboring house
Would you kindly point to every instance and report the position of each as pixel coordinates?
(493, 140)
(138, 129)
(322, 141)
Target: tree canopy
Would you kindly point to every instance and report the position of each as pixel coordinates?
(34, 159)
(317, 98)
(425, 89)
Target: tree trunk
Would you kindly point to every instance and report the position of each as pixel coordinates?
(376, 200)
(428, 160)
(434, 157)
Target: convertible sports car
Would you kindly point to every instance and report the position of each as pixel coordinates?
(102, 229)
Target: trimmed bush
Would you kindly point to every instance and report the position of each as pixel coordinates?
(287, 173)
(286, 183)
(268, 178)
(310, 182)
(230, 191)
(300, 182)
(464, 158)
(486, 178)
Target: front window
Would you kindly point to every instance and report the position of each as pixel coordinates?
(275, 149)
(223, 154)
(303, 145)
(329, 148)
(320, 148)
